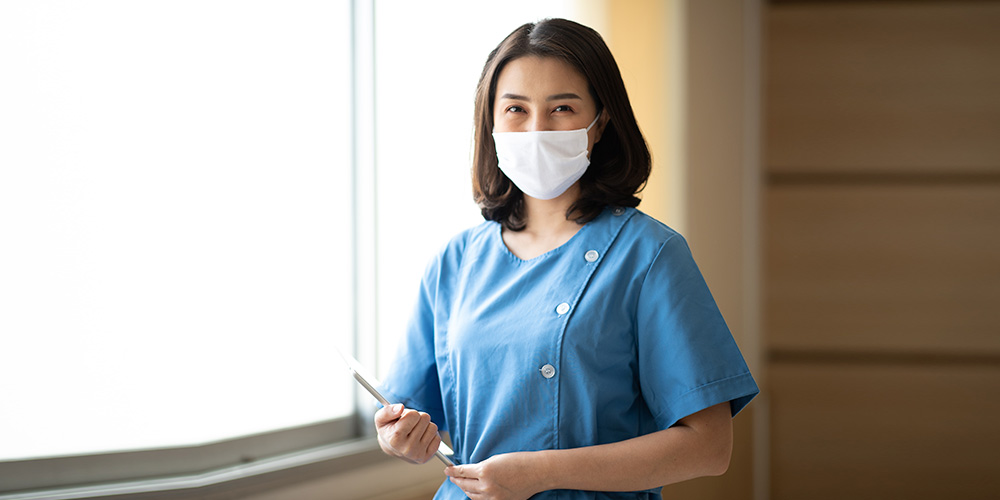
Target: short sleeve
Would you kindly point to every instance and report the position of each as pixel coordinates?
(413, 377)
(688, 360)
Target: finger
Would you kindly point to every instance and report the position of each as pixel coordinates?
(423, 436)
(407, 435)
(430, 432)
(419, 430)
(433, 446)
(408, 423)
(388, 414)
(461, 471)
(469, 486)
(425, 447)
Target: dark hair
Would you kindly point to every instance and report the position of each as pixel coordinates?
(619, 162)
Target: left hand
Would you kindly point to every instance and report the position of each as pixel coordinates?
(510, 476)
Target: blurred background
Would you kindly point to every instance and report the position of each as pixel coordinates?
(868, 136)
(835, 166)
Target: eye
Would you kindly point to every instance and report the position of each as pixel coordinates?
(563, 107)
(514, 109)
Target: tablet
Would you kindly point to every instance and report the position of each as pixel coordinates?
(362, 377)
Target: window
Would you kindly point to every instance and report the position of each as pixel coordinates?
(175, 218)
(191, 193)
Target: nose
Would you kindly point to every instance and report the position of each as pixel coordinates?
(538, 122)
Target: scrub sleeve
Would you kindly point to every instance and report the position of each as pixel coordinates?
(688, 360)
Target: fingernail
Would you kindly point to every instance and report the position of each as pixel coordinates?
(396, 408)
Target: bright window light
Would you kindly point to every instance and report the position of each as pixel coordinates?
(175, 221)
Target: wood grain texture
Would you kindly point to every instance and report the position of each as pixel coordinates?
(912, 268)
(877, 432)
(883, 86)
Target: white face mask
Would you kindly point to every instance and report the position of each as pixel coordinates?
(543, 164)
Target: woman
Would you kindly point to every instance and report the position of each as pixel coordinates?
(569, 342)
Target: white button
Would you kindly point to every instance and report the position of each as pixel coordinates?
(591, 255)
(618, 210)
(548, 371)
(562, 308)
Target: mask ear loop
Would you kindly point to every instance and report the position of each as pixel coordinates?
(595, 120)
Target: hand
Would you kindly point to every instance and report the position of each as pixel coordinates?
(510, 476)
(406, 433)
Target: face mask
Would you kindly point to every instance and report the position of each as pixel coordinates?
(543, 164)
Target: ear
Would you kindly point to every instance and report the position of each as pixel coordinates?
(602, 122)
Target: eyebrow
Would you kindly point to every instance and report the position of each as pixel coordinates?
(556, 97)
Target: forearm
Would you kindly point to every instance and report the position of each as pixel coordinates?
(701, 447)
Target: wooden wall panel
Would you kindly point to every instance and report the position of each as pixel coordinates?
(886, 86)
(877, 432)
(882, 248)
(883, 268)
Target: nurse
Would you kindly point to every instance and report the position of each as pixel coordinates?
(568, 344)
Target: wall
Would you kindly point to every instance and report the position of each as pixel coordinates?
(882, 243)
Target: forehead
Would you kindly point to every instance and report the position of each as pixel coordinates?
(540, 76)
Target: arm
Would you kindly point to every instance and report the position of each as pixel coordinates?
(699, 445)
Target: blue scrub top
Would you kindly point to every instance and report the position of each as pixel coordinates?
(612, 335)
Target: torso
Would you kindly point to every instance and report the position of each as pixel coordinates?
(606, 335)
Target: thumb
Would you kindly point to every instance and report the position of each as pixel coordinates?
(388, 414)
(459, 471)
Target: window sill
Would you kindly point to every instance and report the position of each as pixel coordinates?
(336, 464)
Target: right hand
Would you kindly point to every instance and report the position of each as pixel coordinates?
(406, 433)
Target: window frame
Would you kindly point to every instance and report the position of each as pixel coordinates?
(165, 469)
(312, 450)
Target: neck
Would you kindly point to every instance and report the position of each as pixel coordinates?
(548, 217)
(545, 225)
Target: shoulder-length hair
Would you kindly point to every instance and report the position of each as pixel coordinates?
(619, 161)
